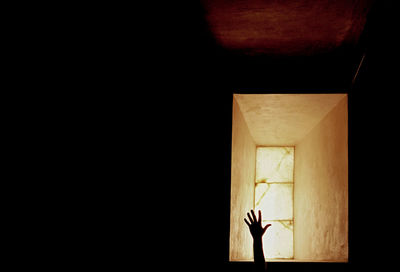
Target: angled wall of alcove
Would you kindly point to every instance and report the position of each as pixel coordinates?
(309, 134)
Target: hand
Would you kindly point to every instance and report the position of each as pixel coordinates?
(256, 230)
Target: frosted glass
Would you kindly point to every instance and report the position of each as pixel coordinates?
(274, 164)
(273, 195)
(274, 200)
(278, 240)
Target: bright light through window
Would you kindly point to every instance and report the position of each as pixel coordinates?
(274, 164)
(273, 195)
(302, 194)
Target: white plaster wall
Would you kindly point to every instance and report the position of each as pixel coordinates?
(284, 119)
(321, 190)
(242, 187)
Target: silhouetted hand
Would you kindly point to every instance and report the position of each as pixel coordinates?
(256, 229)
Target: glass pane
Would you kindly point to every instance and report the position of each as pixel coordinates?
(278, 240)
(274, 164)
(274, 200)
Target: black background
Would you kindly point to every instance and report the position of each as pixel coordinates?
(147, 138)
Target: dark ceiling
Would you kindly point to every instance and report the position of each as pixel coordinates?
(279, 45)
(303, 27)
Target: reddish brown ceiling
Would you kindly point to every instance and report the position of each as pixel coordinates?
(302, 27)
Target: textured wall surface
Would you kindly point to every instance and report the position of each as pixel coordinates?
(321, 190)
(242, 187)
(284, 119)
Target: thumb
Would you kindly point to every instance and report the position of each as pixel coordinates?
(266, 227)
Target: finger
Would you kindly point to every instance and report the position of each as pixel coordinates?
(259, 216)
(254, 216)
(251, 219)
(247, 222)
(266, 227)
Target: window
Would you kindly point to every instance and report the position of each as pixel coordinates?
(273, 195)
(289, 159)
